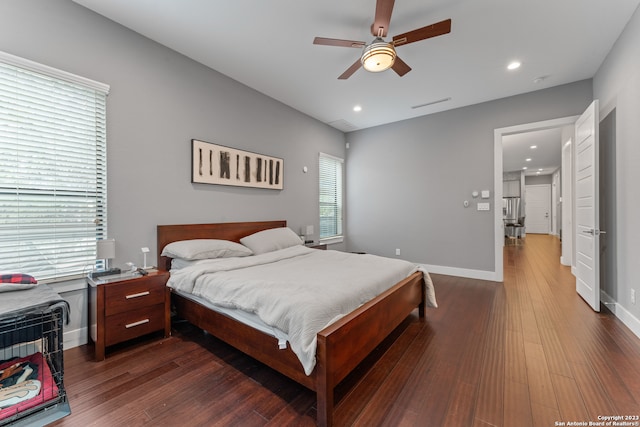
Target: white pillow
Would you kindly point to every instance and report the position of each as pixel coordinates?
(205, 249)
(271, 240)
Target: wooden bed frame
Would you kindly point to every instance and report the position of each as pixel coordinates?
(341, 346)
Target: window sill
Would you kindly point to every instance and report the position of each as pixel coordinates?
(332, 240)
(72, 284)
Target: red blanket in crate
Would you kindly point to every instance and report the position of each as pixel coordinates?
(19, 397)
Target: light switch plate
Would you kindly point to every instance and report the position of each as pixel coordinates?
(483, 206)
(485, 194)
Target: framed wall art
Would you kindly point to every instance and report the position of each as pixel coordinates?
(217, 164)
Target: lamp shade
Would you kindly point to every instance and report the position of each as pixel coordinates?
(378, 56)
(106, 249)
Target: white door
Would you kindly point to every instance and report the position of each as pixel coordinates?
(587, 207)
(537, 208)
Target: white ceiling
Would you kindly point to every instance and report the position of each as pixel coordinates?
(268, 45)
(544, 159)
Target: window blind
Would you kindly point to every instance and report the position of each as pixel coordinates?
(330, 172)
(53, 173)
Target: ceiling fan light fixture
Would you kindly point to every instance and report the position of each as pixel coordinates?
(378, 56)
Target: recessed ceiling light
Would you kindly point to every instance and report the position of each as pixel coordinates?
(524, 168)
(533, 147)
(357, 108)
(538, 173)
(514, 65)
(527, 160)
(540, 79)
(540, 169)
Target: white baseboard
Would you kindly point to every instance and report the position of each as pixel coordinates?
(75, 338)
(461, 272)
(629, 320)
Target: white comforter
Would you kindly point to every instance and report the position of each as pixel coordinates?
(297, 290)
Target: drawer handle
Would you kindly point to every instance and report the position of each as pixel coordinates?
(138, 323)
(141, 294)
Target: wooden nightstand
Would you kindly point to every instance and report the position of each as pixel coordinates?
(320, 246)
(127, 306)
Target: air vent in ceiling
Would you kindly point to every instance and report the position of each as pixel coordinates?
(342, 125)
(431, 103)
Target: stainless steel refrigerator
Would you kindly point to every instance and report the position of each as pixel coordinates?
(513, 217)
(511, 210)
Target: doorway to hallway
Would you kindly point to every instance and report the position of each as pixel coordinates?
(499, 136)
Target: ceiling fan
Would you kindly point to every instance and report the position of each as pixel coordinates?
(380, 55)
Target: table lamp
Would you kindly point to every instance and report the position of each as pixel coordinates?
(105, 250)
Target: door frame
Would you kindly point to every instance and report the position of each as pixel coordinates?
(555, 190)
(497, 179)
(567, 201)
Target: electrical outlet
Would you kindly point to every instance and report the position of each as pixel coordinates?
(633, 296)
(397, 251)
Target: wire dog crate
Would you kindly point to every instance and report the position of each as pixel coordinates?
(32, 366)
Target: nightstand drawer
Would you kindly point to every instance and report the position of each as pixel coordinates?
(134, 323)
(131, 295)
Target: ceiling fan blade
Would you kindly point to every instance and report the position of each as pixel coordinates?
(356, 65)
(427, 32)
(382, 18)
(338, 42)
(400, 67)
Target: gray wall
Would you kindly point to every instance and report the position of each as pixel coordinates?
(538, 179)
(617, 86)
(159, 101)
(407, 181)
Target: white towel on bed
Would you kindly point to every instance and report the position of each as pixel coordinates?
(297, 290)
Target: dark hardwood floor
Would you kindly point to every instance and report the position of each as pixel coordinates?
(528, 352)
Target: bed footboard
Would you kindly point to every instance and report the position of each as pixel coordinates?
(344, 344)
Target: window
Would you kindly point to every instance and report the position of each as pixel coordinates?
(330, 198)
(53, 182)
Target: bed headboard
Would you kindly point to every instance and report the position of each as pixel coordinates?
(233, 231)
